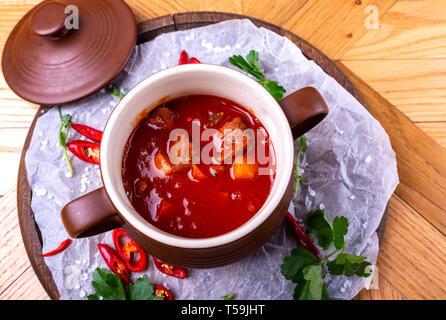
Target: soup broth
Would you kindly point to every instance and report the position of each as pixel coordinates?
(171, 184)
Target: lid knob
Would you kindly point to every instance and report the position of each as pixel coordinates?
(49, 20)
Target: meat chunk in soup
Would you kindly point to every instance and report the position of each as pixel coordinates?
(162, 117)
(234, 139)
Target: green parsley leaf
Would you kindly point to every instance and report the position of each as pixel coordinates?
(107, 285)
(228, 296)
(319, 225)
(362, 269)
(297, 176)
(115, 91)
(302, 291)
(340, 229)
(142, 290)
(63, 135)
(303, 143)
(251, 66)
(294, 264)
(253, 60)
(349, 264)
(334, 268)
(313, 274)
(274, 88)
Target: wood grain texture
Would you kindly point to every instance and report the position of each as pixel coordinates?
(409, 30)
(416, 87)
(412, 256)
(333, 26)
(436, 130)
(384, 291)
(26, 287)
(421, 161)
(13, 260)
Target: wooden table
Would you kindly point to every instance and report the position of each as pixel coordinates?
(400, 67)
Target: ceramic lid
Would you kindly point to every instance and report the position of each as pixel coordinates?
(46, 60)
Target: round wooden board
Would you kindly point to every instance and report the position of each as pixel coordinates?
(147, 31)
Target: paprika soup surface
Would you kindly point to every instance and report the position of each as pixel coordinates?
(208, 179)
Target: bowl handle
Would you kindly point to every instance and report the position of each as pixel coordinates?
(90, 214)
(304, 109)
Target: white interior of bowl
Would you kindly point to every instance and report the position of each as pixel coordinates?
(182, 81)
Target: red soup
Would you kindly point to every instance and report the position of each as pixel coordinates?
(208, 178)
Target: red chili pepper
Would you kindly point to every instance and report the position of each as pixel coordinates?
(301, 237)
(184, 58)
(162, 292)
(85, 150)
(60, 248)
(194, 60)
(88, 132)
(169, 269)
(129, 250)
(114, 262)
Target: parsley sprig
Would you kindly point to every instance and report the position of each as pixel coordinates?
(116, 91)
(251, 65)
(108, 286)
(305, 270)
(63, 135)
(228, 296)
(297, 176)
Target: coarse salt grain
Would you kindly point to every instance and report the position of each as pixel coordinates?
(77, 286)
(84, 261)
(342, 289)
(322, 206)
(50, 196)
(78, 262)
(39, 191)
(68, 175)
(312, 193)
(352, 197)
(368, 159)
(40, 133)
(82, 294)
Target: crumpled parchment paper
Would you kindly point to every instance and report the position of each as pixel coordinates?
(349, 164)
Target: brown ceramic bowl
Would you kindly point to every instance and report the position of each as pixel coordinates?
(109, 207)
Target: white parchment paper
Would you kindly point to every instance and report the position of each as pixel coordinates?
(349, 164)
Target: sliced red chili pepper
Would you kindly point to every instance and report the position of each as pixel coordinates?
(88, 132)
(85, 150)
(169, 269)
(194, 60)
(114, 262)
(129, 251)
(60, 248)
(162, 292)
(301, 237)
(184, 58)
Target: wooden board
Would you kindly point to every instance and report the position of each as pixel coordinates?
(148, 30)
